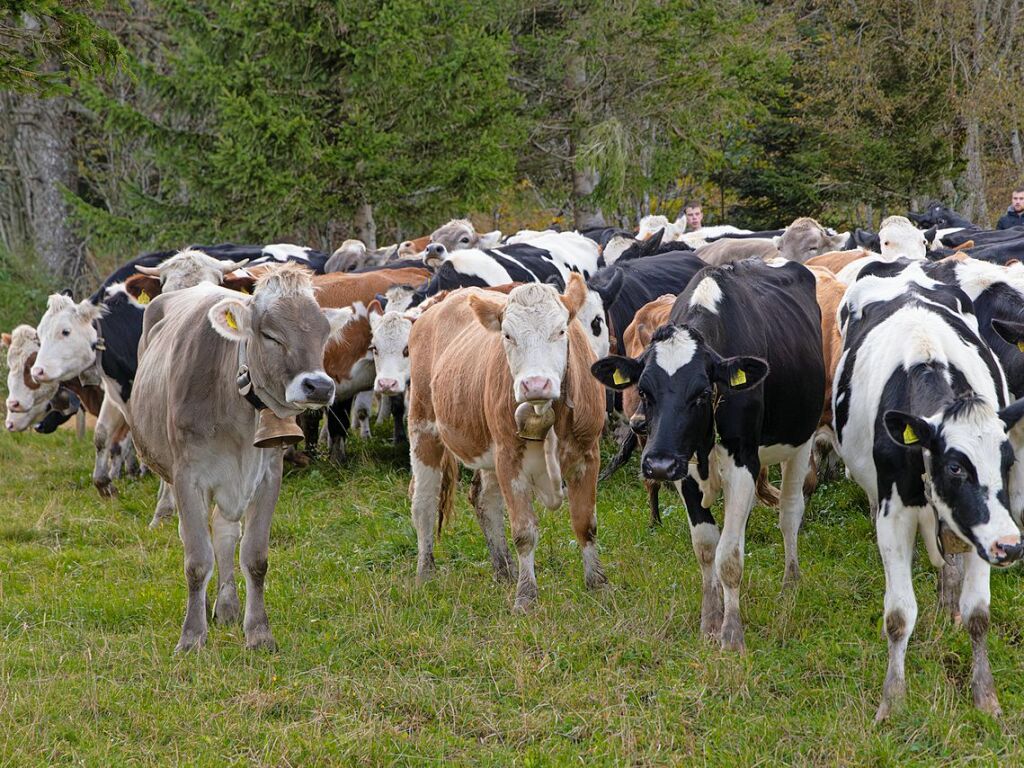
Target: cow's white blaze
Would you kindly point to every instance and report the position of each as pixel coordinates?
(677, 350)
(707, 294)
(67, 338)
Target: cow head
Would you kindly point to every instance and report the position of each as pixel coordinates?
(285, 332)
(459, 234)
(534, 326)
(389, 344)
(68, 338)
(186, 269)
(676, 379)
(898, 238)
(806, 238)
(967, 459)
(938, 215)
(348, 257)
(26, 399)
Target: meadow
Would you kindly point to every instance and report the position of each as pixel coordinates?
(374, 671)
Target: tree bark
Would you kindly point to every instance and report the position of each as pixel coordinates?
(1018, 153)
(975, 205)
(366, 227)
(43, 156)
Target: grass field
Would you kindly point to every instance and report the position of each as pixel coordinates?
(372, 670)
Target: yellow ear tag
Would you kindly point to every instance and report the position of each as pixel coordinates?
(143, 297)
(740, 377)
(618, 378)
(909, 435)
(244, 290)
(1020, 346)
(230, 320)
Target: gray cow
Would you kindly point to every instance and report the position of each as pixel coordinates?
(196, 431)
(802, 239)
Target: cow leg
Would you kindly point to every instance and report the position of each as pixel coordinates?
(896, 530)
(310, 423)
(490, 513)
(653, 487)
(109, 421)
(225, 538)
(397, 407)
(951, 576)
(194, 530)
(582, 485)
(704, 536)
(164, 504)
(517, 492)
(338, 419)
(254, 557)
(364, 406)
(795, 472)
(739, 498)
(426, 454)
(384, 408)
(974, 607)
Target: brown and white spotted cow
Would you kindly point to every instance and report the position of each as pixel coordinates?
(485, 369)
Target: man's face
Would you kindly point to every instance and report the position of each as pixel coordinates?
(694, 216)
(1017, 202)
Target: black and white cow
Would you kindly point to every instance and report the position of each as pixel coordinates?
(938, 215)
(737, 380)
(921, 418)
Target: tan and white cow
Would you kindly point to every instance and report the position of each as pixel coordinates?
(800, 241)
(195, 430)
(485, 368)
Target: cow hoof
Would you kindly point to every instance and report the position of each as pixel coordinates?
(594, 577)
(791, 578)
(526, 598)
(732, 638)
(260, 639)
(424, 572)
(337, 454)
(190, 641)
(506, 572)
(297, 458)
(884, 710)
(226, 609)
(988, 702)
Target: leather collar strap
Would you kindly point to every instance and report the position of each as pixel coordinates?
(244, 380)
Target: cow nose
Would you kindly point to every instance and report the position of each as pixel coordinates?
(38, 373)
(638, 423)
(317, 389)
(13, 406)
(536, 388)
(659, 467)
(1008, 549)
(387, 385)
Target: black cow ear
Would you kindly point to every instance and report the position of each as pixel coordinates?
(653, 242)
(617, 372)
(929, 235)
(1010, 332)
(738, 373)
(907, 430)
(1012, 414)
(68, 292)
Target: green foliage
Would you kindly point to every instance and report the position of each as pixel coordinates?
(43, 42)
(375, 671)
(24, 286)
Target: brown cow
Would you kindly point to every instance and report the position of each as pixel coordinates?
(834, 261)
(502, 384)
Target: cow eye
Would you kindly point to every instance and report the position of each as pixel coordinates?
(268, 337)
(464, 240)
(66, 332)
(405, 352)
(373, 349)
(954, 469)
(595, 326)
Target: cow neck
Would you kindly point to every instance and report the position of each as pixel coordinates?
(94, 373)
(244, 381)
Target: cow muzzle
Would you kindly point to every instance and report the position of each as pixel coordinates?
(536, 388)
(310, 390)
(388, 386)
(39, 374)
(1006, 550)
(15, 406)
(663, 468)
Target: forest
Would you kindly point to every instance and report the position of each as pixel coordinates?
(145, 124)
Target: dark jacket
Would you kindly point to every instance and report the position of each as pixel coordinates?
(1010, 219)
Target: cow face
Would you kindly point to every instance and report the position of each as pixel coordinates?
(349, 256)
(592, 317)
(534, 326)
(188, 268)
(68, 338)
(460, 234)
(967, 460)
(806, 238)
(898, 238)
(390, 347)
(27, 400)
(285, 333)
(676, 379)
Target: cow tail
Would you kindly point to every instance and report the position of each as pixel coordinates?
(624, 454)
(449, 487)
(767, 493)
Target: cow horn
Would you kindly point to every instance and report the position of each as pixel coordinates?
(227, 267)
(151, 271)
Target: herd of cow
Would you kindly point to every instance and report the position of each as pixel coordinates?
(900, 352)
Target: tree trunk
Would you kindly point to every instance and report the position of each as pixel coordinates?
(975, 206)
(1018, 153)
(366, 227)
(584, 215)
(44, 159)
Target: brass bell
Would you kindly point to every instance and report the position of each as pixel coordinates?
(534, 421)
(273, 431)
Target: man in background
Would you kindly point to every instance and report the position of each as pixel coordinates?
(1014, 216)
(694, 216)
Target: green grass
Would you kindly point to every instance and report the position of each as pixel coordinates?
(372, 670)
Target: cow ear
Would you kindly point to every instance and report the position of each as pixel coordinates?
(738, 373)
(908, 431)
(575, 294)
(929, 235)
(338, 319)
(243, 283)
(487, 311)
(89, 312)
(489, 239)
(838, 240)
(375, 312)
(5, 340)
(143, 288)
(1010, 332)
(777, 241)
(617, 372)
(230, 318)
